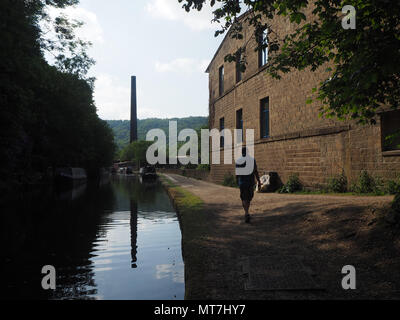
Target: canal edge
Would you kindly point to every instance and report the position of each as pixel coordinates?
(168, 189)
(188, 222)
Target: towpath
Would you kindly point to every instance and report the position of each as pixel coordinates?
(326, 232)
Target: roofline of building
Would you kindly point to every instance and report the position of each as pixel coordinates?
(222, 42)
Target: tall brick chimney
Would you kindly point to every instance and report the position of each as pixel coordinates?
(134, 135)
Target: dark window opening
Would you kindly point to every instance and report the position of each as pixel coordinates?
(263, 52)
(239, 124)
(221, 80)
(264, 117)
(221, 129)
(238, 66)
(390, 128)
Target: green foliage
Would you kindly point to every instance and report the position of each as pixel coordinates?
(368, 184)
(187, 201)
(204, 167)
(190, 166)
(67, 50)
(396, 203)
(121, 128)
(379, 188)
(47, 115)
(338, 184)
(136, 151)
(293, 185)
(230, 180)
(393, 186)
(363, 76)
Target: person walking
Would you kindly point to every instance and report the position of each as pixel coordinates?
(246, 174)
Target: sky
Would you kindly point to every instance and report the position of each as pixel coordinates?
(166, 48)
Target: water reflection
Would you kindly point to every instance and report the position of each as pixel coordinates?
(72, 194)
(120, 241)
(134, 221)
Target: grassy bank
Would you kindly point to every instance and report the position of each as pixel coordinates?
(186, 202)
(193, 221)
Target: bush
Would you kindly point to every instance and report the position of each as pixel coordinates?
(190, 166)
(396, 203)
(379, 187)
(366, 183)
(205, 167)
(393, 187)
(229, 180)
(293, 185)
(338, 184)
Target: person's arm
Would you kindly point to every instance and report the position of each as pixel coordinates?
(256, 174)
(237, 178)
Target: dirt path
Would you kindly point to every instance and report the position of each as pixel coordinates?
(328, 232)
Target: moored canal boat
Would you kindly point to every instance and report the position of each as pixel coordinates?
(70, 176)
(148, 173)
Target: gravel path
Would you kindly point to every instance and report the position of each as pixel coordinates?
(327, 232)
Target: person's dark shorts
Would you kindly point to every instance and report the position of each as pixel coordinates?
(246, 193)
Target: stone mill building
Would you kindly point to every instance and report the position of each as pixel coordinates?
(290, 137)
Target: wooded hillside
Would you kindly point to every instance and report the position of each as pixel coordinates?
(121, 128)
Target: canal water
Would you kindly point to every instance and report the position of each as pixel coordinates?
(118, 241)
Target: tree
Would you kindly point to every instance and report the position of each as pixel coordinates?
(47, 114)
(364, 62)
(136, 151)
(68, 51)
(121, 128)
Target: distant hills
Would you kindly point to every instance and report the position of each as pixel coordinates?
(121, 128)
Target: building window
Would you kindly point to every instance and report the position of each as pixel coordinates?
(221, 129)
(264, 117)
(221, 80)
(239, 124)
(263, 52)
(238, 66)
(390, 128)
